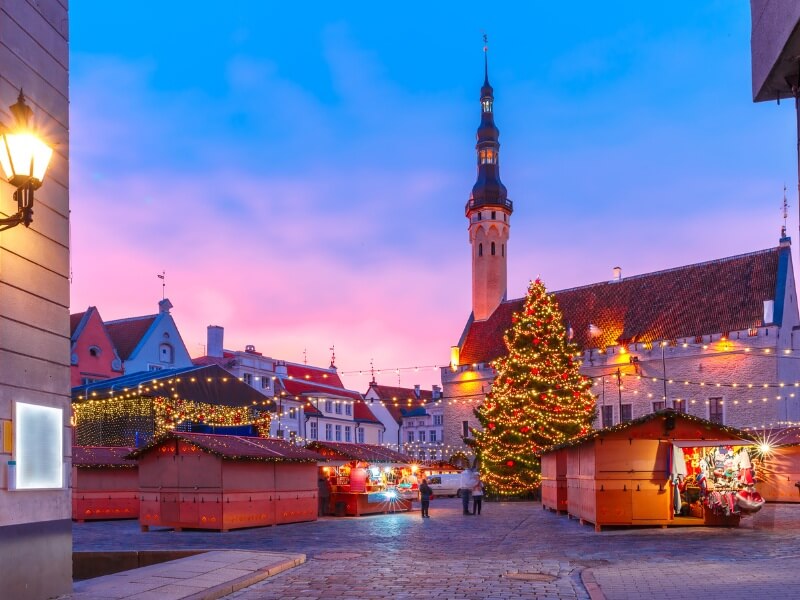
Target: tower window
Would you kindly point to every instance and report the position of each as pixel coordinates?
(486, 103)
(502, 249)
(480, 216)
(487, 156)
(492, 248)
(494, 215)
(480, 249)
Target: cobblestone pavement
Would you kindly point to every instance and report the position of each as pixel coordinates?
(512, 551)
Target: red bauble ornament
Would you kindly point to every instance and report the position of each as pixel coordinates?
(565, 376)
(534, 371)
(536, 341)
(509, 463)
(525, 429)
(492, 425)
(543, 396)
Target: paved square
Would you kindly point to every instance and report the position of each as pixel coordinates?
(455, 556)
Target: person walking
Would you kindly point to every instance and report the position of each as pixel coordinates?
(425, 493)
(324, 493)
(467, 483)
(477, 497)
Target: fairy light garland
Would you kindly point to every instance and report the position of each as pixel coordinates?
(538, 397)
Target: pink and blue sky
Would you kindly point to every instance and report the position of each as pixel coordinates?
(299, 170)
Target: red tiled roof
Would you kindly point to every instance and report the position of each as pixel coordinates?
(361, 412)
(99, 456)
(712, 297)
(398, 399)
(299, 387)
(362, 452)
(314, 374)
(236, 447)
(127, 333)
(74, 321)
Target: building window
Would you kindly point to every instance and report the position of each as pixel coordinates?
(657, 406)
(360, 434)
(716, 410)
(679, 406)
(292, 413)
(438, 419)
(421, 436)
(338, 408)
(328, 406)
(486, 103)
(433, 436)
(410, 437)
(95, 351)
(88, 380)
(165, 353)
(502, 249)
(422, 454)
(154, 368)
(480, 249)
(465, 428)
(338, 433)
(606, 416)
(492, 248)
(313, 430)
(348, 409)
(626, 411)
(264, 383)
(752, 332)
(247, 378)
(347, 436)
(380, 436)
(494, 215)
(480, 216)
(328, 432)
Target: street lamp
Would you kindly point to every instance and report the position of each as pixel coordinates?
(24, 158)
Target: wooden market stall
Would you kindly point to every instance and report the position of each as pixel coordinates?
(366, 479)
(778, 466)
(663, 469)
(223, 482)
(105, 484)
(554, 481)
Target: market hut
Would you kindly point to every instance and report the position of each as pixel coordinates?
(554, 481)
(366, 479)
(105, 484)
(223, 482)
(778, 467)
(666, 468)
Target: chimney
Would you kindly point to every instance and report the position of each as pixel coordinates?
(164, 305)
(617, 274)
(437, 392)
(769, 312)
(280, 369)
(214, 338)
(416, 390)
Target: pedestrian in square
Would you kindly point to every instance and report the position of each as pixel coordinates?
(425, 493)
(477, 496)
(467, 483)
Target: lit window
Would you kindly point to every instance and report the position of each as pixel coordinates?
(486, 104)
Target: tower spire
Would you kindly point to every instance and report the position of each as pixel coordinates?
(785, 212)
(485, 59)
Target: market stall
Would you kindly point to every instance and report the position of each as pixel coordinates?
(663, 469)
(778, 465)
(554, 481)
(223, 482)
(366, 479)
(105, 485)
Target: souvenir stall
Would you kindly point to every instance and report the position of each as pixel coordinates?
(105, 485)
(223, 482)
(367, 479)
(778, 464)
(663, 469)
(554, 481)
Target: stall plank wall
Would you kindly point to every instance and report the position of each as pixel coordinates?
(105, 493)
(554, 481)
(778, 473)
(35, 526)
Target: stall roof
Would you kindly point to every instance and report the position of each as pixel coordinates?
(234, 447)
(362, 452)
(210, 384)
(731, 432)
(101, 456)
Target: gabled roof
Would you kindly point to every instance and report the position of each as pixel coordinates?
(234, 447)
(101, 456)
(711, 297)
(210, 384)
(127, 333)
(399, 400)
(361, 452)
(75, 321)
(299, 387)
(362, 414)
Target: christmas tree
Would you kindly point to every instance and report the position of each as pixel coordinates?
(538, 398)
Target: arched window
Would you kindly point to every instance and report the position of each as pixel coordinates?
(492, 248)
(487, 105)
(480, 249)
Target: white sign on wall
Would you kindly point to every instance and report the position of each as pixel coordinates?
(39, 446)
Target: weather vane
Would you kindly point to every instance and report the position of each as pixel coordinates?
(333, 356)
(785, 212)
(163, 277)
(372, 369)
(305, 356)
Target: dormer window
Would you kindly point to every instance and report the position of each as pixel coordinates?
(486, 103)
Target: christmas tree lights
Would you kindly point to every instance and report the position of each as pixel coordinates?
(538, 398)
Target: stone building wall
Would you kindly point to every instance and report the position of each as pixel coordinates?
(35, 526)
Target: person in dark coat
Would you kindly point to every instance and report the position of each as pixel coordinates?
(324, 494)
(425, 493)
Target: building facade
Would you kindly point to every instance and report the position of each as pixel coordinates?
(35, 518)
(93, 356)
(717, 339)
